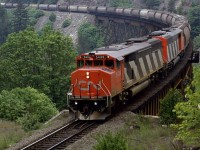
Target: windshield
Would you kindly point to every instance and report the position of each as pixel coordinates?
(109, 63)
(98, 62)
(88, 63)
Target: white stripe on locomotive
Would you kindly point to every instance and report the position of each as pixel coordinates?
(149, 63)
(155, 60)
(142, 66)
(135, 68)
(160, 57)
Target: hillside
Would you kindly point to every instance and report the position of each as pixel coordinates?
(78, 19)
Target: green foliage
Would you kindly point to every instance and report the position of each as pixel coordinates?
(26, 106)
(152, 4)
(66, 23)
(111, 142)
(196, 42)
(43, 62)
(171, 6)
(20, 18)
(179, 10)
(49, 24)
(121, 3)
(194, 20)
(52, 17)
(189, 113)
(89, 37)
(167, 104)
(34, 15)
(3, 24)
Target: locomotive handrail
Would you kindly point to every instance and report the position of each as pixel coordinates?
(106, 93)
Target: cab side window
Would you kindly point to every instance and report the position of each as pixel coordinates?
(80, 63)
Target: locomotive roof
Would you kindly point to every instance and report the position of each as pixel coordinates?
(118, 51)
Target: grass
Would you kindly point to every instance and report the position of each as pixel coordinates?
(10, 133)
(147, 134)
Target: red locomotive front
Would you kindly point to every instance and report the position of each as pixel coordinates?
(96, 80)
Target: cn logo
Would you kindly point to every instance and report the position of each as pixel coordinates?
(89, 84)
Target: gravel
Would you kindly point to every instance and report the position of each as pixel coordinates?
(113, 125)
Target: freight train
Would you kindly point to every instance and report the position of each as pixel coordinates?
(108, 76)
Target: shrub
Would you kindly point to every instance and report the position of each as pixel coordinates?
(66, 23)
(111, 142)
(34, 14)
(167, 115)
(52, 17)
(26, 106)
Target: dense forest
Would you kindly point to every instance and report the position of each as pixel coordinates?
(35, 65)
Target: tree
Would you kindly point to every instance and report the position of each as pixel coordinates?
(167, 104)
(194, 19)
(89, 37)
(152, 4)
(52, 17)
(197, 42)
(3, 24)
(189, 113)
(20, 18)
(171, 6)
(26, 106)
(43, 62)
(60, 60)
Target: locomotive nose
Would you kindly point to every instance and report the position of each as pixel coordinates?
(87, 83)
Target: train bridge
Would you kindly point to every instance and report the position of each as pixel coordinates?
(123, 20)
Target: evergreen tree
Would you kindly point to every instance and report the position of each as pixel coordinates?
(171, 6)
(3, 24)
(152, 4)
(194, 20)
(89, 37)
(20, 18)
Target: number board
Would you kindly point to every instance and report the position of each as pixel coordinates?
(100, 57)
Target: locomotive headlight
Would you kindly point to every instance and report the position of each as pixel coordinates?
(76, 103)
(87, 77)
(95, 103)
(87, 73)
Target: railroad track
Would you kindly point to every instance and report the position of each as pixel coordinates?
(64, 136)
